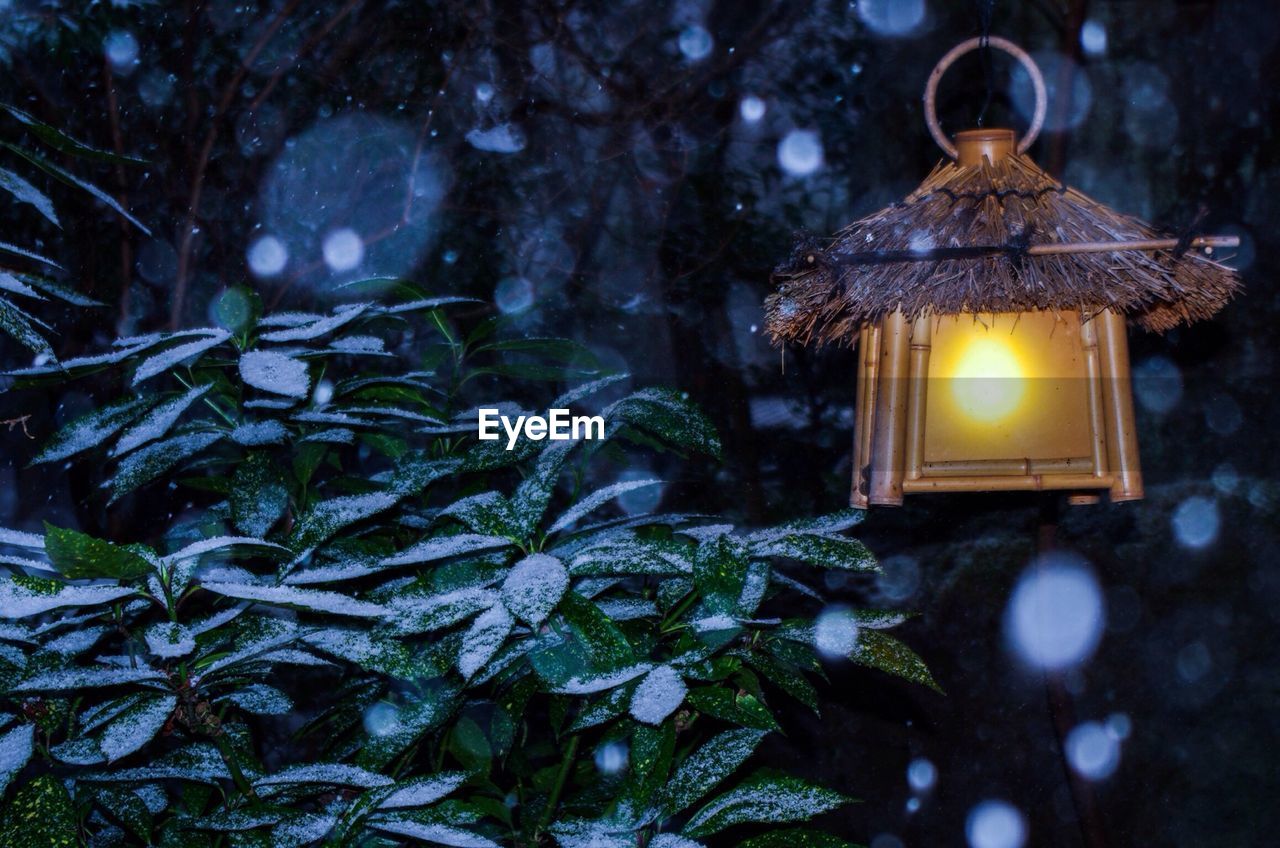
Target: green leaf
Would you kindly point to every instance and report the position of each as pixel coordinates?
(78, 555)
(16, 747)
(259, 494)
(41, 815)
(670, 416)
(763, 798)
(708, 766)
(652, 749)
(796, 837)
(92, 429)
(58, 290)
(25, 192)
(59, 140)
(143, 466)
(880, 650)
(17, 324)
(827, 551)
(727, 705)
(63, 175)
(720, 573)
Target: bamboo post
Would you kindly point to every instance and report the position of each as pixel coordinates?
(1093, 373)
(917, 392)
(1117, 392)
(868, 358)
(888, 447)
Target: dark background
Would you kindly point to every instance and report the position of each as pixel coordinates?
(632, 207)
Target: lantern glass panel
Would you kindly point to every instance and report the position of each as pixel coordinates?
(1006, 386)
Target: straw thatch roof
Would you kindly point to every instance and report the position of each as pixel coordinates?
(958, 244)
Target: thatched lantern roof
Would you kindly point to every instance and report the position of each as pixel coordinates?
(994, 233)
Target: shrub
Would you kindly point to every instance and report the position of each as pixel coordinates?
(352, 623)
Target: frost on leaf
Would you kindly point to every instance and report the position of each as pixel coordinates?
(673, 840)
(425, 790)
(658, 695)
(483, 639)
(168, 639)
(445, 547)
(329, 774)
(763, 799)
(16, 746)
(19, 601)
(595, 500)
(143, 466)
(261, 699)
(136, 726)
(587, 684)
(84, 678)
(92, 429)
(308, 599)
(435, 834)
(713, 762)
(421, 614)
(157, 422)
(255, 433)
(326, 518)
(317, 326)
(534, 586)
(163, 361)
(276, 373)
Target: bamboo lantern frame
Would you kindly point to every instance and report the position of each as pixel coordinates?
(892, 421)
(991, 238)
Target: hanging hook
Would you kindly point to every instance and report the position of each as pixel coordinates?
(931, 90)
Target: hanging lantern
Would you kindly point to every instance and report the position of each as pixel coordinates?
(990, 311)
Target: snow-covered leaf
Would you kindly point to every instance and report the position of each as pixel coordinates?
(92, 429)
(327, 517)
(424, 790)
(436, 834)
(658, 695)
(483, 639)
(328, 774)
(136, 726)
(289, 596)
(157, 422)
(445, 547)
(709, 765)
(85, 678)
(170, 639)
(259, 494)
(765, 798)
(414, 613)
(261, 699)
(16, 746)
(595, 500)
(534, 586)
(318, 327)
(20, 601)
(148, 463)
(276, 373)
(166, 359)
(25, 192)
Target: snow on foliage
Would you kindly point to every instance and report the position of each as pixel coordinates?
(169, 639)
(445, 547)
(423, 791)
(658, 695)
(16, 746)
(256, 433)
(595, 500)
(158, 421)
(309, 599)
(329, 774)
(136, 726)
(18, 601)
(275, 372)
(165, 360)
(587, 684)
(534, 586)
(261, 699)
(436, 834)
(709, 765)
(484, 638)
(316, 327)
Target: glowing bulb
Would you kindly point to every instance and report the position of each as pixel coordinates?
(988, 383)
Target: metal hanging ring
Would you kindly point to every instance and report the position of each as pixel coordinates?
(931, 90)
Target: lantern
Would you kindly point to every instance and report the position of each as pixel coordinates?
(990, 310)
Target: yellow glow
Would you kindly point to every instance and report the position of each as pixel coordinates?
(988, 383)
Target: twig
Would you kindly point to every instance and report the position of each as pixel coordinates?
(197, 182)
(20, 421)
